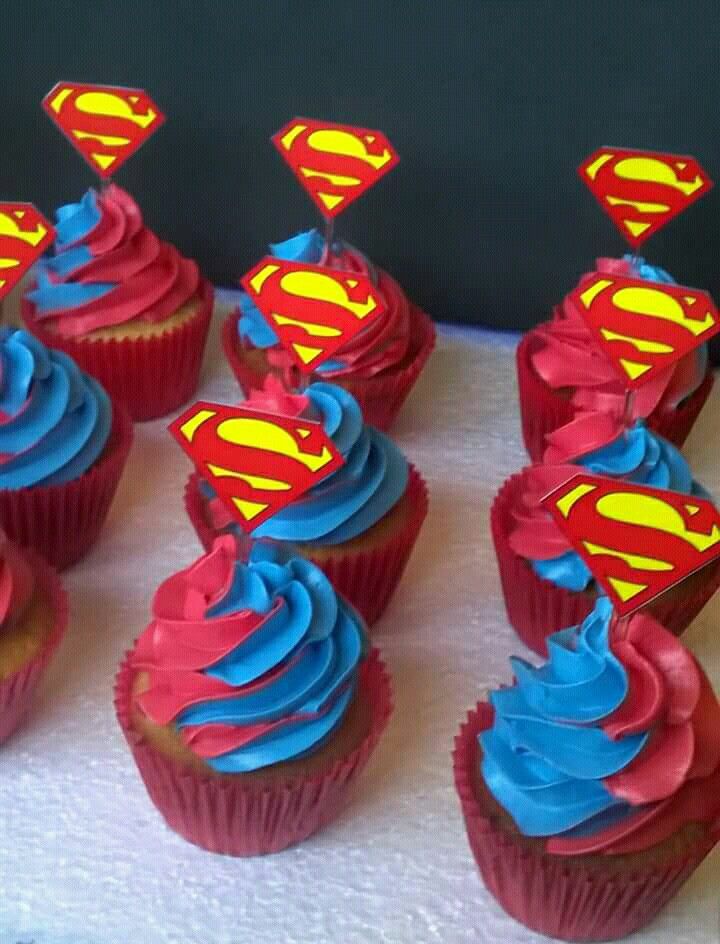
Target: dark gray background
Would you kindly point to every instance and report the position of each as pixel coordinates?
(491, 105)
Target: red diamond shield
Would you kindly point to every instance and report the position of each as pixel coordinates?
(105, 123)
(641, 191)
(335, 163)
(644, 327)
(637, 541)
(314, 310)
(256, 462)
(25, 234)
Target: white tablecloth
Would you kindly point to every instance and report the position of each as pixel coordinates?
(86, 858)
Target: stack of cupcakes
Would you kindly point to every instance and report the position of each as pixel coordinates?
(252, 700)
(589, 787)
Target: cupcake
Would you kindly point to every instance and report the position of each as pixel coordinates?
(249, 702)
(378, 366)
(63, 447)
(33, 619)
(359, 524)
(561, 370)
(591, 787)
(545, 582)
(125, 305)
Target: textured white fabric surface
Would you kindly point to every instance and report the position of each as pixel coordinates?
(86, 859)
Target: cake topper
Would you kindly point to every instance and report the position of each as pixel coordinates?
(257, 462)
(335, 163)
(641, 191)
(25, 234)
(637, 541)
(106, 124)
(314, 310)
(644, 327)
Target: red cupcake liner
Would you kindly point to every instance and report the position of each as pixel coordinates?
(367, 579)
(151, 376)
(61, 522)
(380, 398)
(551, 894)
(536, 608)
(17, 690)
(222, 814)
(542, 410)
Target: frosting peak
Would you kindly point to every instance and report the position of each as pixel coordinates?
(569, 358)
(109, 269)
(379, 347)
(601, 445)
(610, 744)
(350, 500)
(254, 663)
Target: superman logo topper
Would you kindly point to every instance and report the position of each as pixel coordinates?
(335, 163)
(641, 191)
(257, 462)
(637, 541)
(106, 124)
(25, 234)
(314, 310)
(644, 327)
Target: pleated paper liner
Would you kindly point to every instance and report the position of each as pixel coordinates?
(18, 689)
(224, 814)
(380, 398)
(62, 522)
(151, 376)
(564, 897)
(536, 607)
(367, 579)
(543, 410)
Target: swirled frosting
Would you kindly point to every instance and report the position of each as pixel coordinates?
(379, 347)
(350, 500)
(54, 419)
(109, 268)
(254, 663)
(17, 583)
(570, 358)
(599, 444)
(610, 746)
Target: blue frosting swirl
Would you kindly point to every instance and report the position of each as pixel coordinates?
(319, 639)
(354, 497)
(546, 755)
(56, 419)
(639, 456)
(643, 270)
(74, 222)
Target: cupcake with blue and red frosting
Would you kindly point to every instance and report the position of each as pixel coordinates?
(561, 371)
(591, 786)
(63, 447)
(125, 305)
(359, 525)
(251, 702)
(545, 582)
(378, 366)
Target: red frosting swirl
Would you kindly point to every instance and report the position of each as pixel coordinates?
(385, 342)
(571, 358)
(182, 640)
(535, 536)
(152, 279)
(675, 779)
(16, 582)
